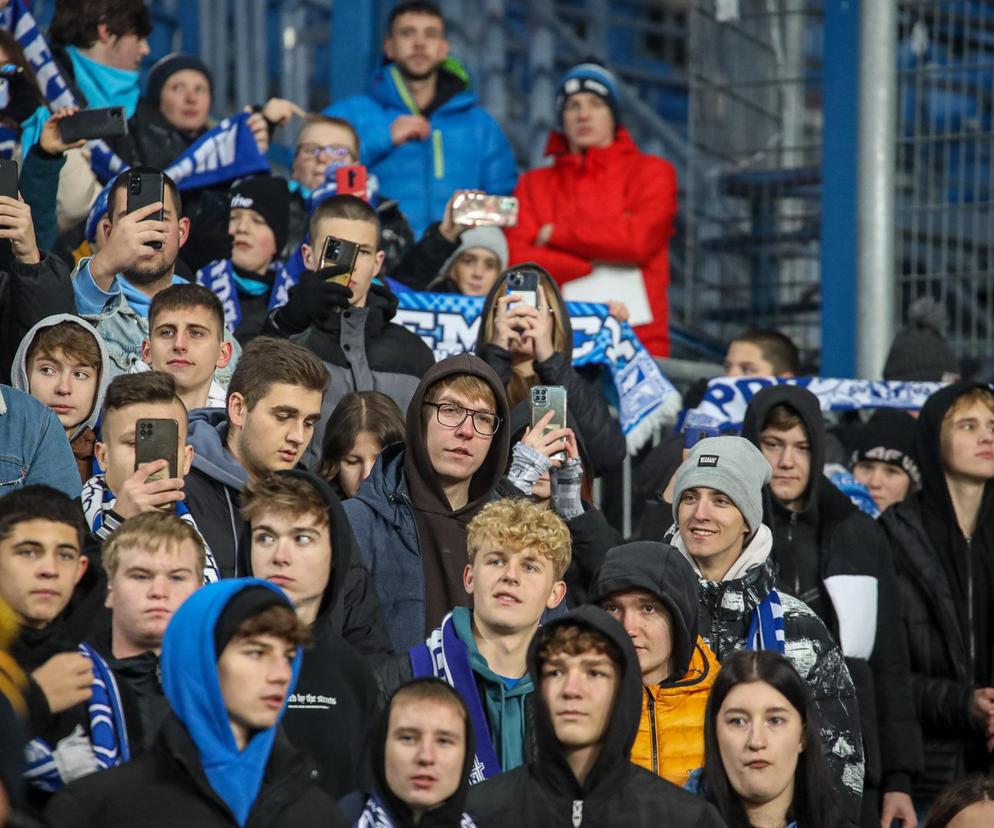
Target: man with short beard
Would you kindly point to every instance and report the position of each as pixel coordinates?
(115, 286)
(424, 133)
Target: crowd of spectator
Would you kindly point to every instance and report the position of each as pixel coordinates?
(360, 583)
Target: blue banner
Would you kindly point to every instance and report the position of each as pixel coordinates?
(725, 402)
(449, 322)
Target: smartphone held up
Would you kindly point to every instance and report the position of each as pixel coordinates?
(546, 398)
(338, 258)
(483, 210)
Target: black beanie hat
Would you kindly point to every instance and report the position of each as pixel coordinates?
(269, 196)
(888, 437)
(243, 605)
(170, 65)
(920, 352)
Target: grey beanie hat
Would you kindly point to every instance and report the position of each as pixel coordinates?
(491, 238)
(733, 466)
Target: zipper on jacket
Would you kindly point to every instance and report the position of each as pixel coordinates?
(234, 530)
(436, 142)
(652, 731)
(790, 539)
(577, 813)
(969, 604)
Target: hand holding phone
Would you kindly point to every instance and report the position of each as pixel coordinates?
(475, 209)
(155, 484)
(548, 414)
(338, 258)
(88, 124)
(145, 189)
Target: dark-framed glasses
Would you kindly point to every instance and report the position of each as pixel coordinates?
(451, 415)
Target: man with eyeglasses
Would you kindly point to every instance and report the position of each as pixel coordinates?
(410, 515)
(325, 143)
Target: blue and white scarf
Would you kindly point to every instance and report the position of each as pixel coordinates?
(445, 656)
(98, 504)
(766, 629)
(224, 153)
(726, 399)
(449, 323)
(375, 815)
(221, 278)
(108, 732)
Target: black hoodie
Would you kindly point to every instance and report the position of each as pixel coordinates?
(937, 568)
(586, 407)
(447, 815)
(615, 792)
(331, 711)
(827, 540)
(411, 540)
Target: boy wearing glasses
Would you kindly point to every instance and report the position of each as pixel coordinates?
(410, 515)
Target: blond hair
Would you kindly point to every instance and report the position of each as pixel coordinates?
(152, 532)
(967, 399)
(518, 524)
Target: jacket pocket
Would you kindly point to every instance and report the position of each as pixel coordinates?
(12, 473)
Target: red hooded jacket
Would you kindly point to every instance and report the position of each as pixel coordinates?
(614, 205)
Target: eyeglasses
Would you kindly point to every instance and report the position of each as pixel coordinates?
(451, 415)
(331, 150)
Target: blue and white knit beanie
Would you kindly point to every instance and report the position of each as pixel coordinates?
(590, 77)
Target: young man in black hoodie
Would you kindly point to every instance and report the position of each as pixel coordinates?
(349, 327)
(299, 539)
(838, 561)
(590, 689)
(422, 754)
(410, 515)
(943, 541)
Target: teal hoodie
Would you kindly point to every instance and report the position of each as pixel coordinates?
(505, 705)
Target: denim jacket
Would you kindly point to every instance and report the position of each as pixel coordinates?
(33, 446)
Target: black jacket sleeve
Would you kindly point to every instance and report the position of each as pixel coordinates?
(29, 293)
(592, 536)
(587, 413)
(362, 623)
(421, 262)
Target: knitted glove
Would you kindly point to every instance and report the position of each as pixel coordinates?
(527, 466)
(310, 301)
(566, 486)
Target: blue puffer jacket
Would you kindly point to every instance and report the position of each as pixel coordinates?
(382, 519)
(466, 149)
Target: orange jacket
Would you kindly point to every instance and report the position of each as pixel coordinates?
(670, 741)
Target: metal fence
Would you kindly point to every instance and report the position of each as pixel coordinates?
(944, 245)
(753, 168)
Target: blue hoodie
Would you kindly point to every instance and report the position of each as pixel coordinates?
(189, 679)
(466, 149)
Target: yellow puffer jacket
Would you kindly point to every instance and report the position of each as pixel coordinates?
(670, 741)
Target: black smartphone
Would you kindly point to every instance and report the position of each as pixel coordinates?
(8, 177)
(545, 398)
(340, 256)
(146, 188)
(94, 123)
(157, 440)
(524, 283)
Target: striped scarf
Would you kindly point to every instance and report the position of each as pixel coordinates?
(108, 733)
(374, 815)
(98, 505)
(766, 630)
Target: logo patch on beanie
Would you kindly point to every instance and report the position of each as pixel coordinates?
(239, 200)
(707, 460)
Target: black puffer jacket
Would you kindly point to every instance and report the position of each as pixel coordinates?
(586, 407)
(825, 551)
(726, 609)
(167, 786)
(364, 351)
(924, 535)
(545, 793)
